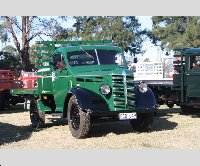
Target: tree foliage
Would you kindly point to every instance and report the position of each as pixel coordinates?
(24, 29)
(175, 31)
(125, 31)
(3, 35)
(9, 59)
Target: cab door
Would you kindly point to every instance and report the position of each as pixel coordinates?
(193, 76)
(60, 81)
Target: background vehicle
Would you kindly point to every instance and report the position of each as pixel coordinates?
(183, 88)
(8, 80)
(159, 77)
(86, 82)
(186, 91)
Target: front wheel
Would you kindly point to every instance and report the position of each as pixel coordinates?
(37, 117)
(143, 123)
(78, 119)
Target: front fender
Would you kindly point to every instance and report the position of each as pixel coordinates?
(89, 100)
(145, 100)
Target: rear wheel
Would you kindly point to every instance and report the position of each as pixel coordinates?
(143, 123)
(37, 117)
(170, 104)
(2, 104)
(78, 119)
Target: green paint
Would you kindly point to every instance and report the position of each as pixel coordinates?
(94, 72)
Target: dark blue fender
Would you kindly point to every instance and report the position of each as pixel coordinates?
(89, 100)
(145, 100)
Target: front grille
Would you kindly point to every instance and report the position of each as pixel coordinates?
(123, 92)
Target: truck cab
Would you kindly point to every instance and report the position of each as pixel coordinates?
(186, 78)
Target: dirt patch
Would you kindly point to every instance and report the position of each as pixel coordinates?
(171, 130)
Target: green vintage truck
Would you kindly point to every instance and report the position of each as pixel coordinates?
(185, 91)
(87, 82)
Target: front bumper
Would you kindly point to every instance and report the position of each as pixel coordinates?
(116, 113)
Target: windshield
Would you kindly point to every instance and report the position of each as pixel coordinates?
(94, 57)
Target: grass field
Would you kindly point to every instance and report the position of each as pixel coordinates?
(171, 130)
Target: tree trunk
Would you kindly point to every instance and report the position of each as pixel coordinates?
(24, 53)
(24, 56)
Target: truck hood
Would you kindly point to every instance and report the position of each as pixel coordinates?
(100, 70)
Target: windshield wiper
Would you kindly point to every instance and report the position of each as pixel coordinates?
(91, 55)
(85, 51)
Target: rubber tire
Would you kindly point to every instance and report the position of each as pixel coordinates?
(37, 117)
(187, 109)
(170, 105)
(83, 117)
(2, 104)
(14, 102)
(143, 123)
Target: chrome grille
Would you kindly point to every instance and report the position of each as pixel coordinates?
(121, 100)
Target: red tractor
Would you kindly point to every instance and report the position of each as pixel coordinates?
(8, 80)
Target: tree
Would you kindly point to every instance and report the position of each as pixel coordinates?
(9, 59)
(125, 31)
(33, 54)
(171, 32)
(3, 35)
(24, 29)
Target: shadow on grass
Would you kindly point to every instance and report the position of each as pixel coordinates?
(52, 122)
(14, 109)
(195, 114)
(55, 122)
(165, 111)
(124, 127)
(162, 123)
(104, 128)
(10, 133)
(168, 111)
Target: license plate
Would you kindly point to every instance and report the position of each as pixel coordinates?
(125, 116)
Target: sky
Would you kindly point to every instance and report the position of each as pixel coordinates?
(152, 52)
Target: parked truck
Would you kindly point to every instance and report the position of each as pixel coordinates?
(8, 80)
(183, 89)
(186, 79)
(86, 82)
(159, 77)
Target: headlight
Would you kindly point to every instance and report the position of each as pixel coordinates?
(143, 87)
(105, 89)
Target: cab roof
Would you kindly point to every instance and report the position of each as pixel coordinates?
(87, 47)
